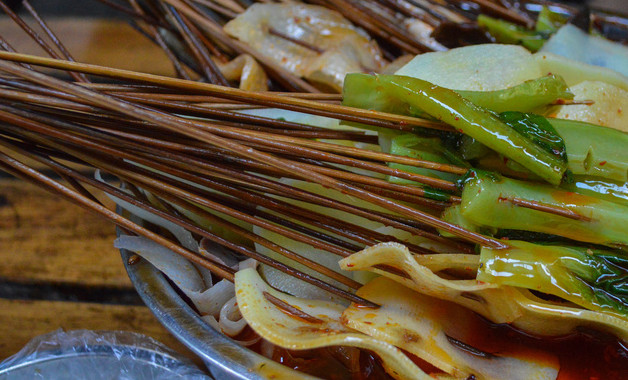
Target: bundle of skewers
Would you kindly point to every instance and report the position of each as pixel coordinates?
(325, 209)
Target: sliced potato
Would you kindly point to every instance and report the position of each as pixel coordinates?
(573, 43)
(610, 107)
(478, 67)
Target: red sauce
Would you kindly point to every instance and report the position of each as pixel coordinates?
(585, 355)
(333, 363)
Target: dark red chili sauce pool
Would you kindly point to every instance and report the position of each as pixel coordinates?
(584, 355)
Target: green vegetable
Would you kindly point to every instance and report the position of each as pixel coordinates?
(592, 278)
(488, 199)
(525, 97)
(593, 150)
(508, 33)
(364, 91)
(538, 130)
(604, 189)
(470, 148)
(453, 215)
(425, 148)
(549, 22)
(446, 105)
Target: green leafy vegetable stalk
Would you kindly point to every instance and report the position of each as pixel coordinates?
(593, 150)
(395, 93)
(425, 148)
(592, 278)
(548, 22)
(525, 97)
(490, 200)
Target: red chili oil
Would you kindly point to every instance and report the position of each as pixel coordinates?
(333, 364)
(582, 355)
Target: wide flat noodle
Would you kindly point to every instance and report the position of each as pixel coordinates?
(499, 304)
(295, 333)
(207, 299)
(183, 236)
(421, 325)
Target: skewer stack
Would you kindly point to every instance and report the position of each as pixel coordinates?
(183, 142)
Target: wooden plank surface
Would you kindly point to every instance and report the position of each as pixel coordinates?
(103, 42)
(47, 239)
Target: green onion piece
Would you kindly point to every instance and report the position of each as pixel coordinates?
(592, 278)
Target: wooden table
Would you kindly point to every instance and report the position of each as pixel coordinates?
(59, 268)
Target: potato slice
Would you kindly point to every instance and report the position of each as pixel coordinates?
(610, 107)
(479, 67)
(573, 43)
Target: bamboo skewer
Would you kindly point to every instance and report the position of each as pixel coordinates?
(267, 140)
(213, 219)
(328, 172)
(250, 144)
(206, 182)
(234, 6)
(503, 12)
(51, 35)
(191, 38)
(159, 40)
(551, 209)
(220, 9)
(327, 180)
(238, 157)
(201, 212)
(175, 160)
(35, 37)
(169, 122)
(134, 13)
(274, 32)
(381, 119)
(119, 194)
(19, 169)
